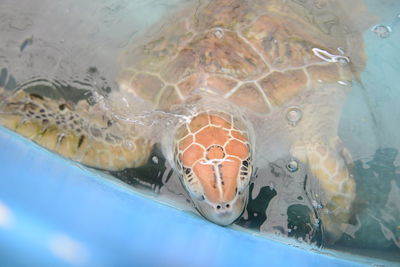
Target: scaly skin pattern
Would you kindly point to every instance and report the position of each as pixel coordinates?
(256, 54)
(74, 131)
(328, 162)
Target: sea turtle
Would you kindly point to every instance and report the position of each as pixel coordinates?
(247, 81)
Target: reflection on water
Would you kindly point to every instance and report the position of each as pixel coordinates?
(378, 182)
(63, 62)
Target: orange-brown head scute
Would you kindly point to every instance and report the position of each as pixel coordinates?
(214, 157)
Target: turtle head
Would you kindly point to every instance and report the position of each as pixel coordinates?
(214, 160)
(222, 205)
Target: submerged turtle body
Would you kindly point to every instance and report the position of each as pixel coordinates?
(225, 66)
(258, 56)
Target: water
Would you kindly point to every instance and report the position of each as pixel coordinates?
(63, 61)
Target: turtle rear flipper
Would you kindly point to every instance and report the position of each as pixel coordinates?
(74, 131)
(328, 161)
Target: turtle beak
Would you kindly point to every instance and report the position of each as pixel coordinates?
(219, 191)
(224, 213)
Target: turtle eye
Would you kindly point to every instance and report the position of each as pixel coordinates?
(192, 184)
(178, 163)
(244, 175)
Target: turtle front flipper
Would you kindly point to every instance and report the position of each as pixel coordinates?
(328, 164)
(78, 131)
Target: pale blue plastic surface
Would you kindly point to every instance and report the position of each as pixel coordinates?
(44, 199)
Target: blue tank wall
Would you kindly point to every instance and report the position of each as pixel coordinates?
(55, 213)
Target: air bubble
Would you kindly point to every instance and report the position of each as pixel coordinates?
(154, 159)
(272, 186)
(128, 145)
(26, 43)
(219, 33)
(92, 100)
(293, 165)
(382, 31)
(293, 115)
(345, 83)
(316, 205)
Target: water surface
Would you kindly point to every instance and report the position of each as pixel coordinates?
(69, 48)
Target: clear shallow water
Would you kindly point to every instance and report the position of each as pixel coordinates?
(60, 42)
